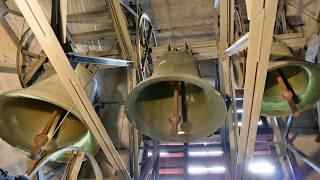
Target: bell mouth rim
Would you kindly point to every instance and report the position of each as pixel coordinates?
(207, 88)
(279, 63)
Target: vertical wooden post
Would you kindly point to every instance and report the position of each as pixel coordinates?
(225, 38)
(249, 8)
(261, 33)
(63, 13)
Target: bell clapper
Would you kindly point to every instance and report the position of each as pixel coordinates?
(287, 94)
(175, 118)
(179, 123)
(174, 121)
(41, 139)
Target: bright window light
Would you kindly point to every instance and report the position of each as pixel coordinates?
(161, 154)
(260, 123)
(205, 153)
(239, 110)
(206, 170)
(261, 167)
(181, 132)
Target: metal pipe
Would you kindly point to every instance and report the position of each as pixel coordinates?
(303, 157)
(288, 126)
(283, 154)
(155, 154)
(131, 153)
(74, 57)
(155, 169)
(136, 143)
(128, 8)
(186, 161)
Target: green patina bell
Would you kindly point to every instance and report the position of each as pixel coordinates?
(25, 112)
(301, 77)
(174, 104)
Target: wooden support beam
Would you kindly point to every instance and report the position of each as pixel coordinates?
(226, 37)
(75, 165)
(63, 13)
(105, 53)
(120, 26)
(292, 40)
(301, 7)
(234, 103)
(127, 52)
(249, 8)
(261, 33)
(7, 69)
(94, 35)
(9, 30)
(82, 17)
(42, 30)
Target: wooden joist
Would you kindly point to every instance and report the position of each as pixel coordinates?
(203, 50)
(94, 35)
(226, 37)
(292, 40)
(88, 15)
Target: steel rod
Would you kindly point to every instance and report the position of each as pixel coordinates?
(73, 57)
(304, 158)
(128, 8)
(155, 154)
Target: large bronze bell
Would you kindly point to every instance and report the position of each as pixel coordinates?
(25, 113)
(301, 77)
(174, 104)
